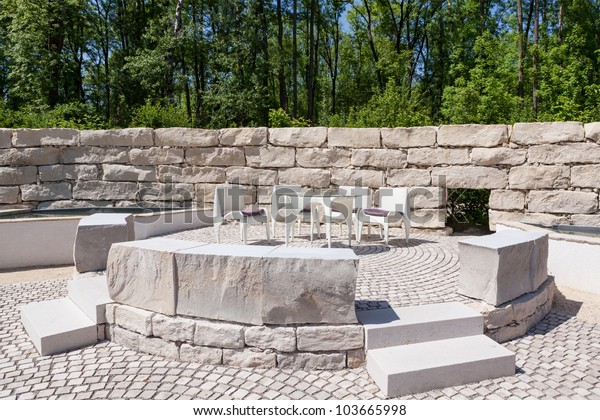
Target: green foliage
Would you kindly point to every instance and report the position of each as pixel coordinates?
(280, 118)
(466, 207)
(159, 116)
(72, 115)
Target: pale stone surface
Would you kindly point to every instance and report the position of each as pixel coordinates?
(18, 176)
(361, 177)
(62, 172)
(33, 137)
(409, 177)
(128, 173)
(437, 156)
(322, 158)
(315, 178)
(9, 195)
(503, 266)
(104, 190)
(205, 193)
(538, 218)
(244, 136)
(173, 329)
(311, 361)
(534, 177)
(592, 131)
(200, 354)
(469, 177)
(134, 137)
(251, 176)
(46, 192)
(408, 137)
(472, 135)
(562, 202)
(547, 132)
(249, 358)
(427, 197)
(5, 138)
(219, 334)
(328, 338)
(186, 137)
(585, 176)
(88, 154)
(353, 137)
(379, 158)
(29, 156)
(586, 219)
(142, 273)
(428, 218)
(190, 174)
(356, 358)
(553, 154)
(134, 319)
(125, 337)
(271, 337)
(110, 309)
(159, 347)
(167, 192)
(215, 156)
(156, 156)
(270, 157)
(498, 156)
(298, 137)
(507, 200)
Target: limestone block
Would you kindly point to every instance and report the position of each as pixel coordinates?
(437, 156)
(360, 177)
(251, 176)
(104, 190)
(271, 337)
(409, 177)
(428, 218)
(328, 338)
(167, 192)
(215, 156)
(562, 202)
(90, 155)
(159, 347)
(34, 137)
(249, 358)
(498, 156)
(509, 332)
(142, 273)
(323, 158)
(584, 219)
(394, 138)
(298, 136)
(201, 355)
(156, 156)
(553, 154)
(173, 329)
(205, 193)
(270, 157)
(29, 156)
(133, 137)
(592, 131)
(538, 177)
(379, 158)
(125, 337)
(94, 237)
(62, 172)
(315, 178)
(109, 311)
(469, 177)
(427, 197)
(219, 334)
(5, 138)
(356, 358)
(134, 319)
(190, 174)
(472, 135)
(354, 137)
(494, 317)
(9, 195)
(503, 266)
(587, 176)
(18, 176)
(186, 137)
(128, 173)
(46, 192)
(537, 218)
(244, 136)
(507, 200)
(311, 361)
(547, 132)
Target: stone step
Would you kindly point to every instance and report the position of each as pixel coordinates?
(422, 367)
(90, 294)
(417, 324)
(56, 326)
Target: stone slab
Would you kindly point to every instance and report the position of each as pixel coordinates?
(402, 137)
(34, 137)
(472, 135)
(298, 137)
(186, 137)
(133, 137)
(311, 361)
(5, 138)
(246, 136)
(90, 294)
(563, 202)
(547, 132)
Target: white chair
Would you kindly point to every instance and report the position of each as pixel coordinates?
(230, 205)
(393, 207)
(287, 207)
(336, 209)
(362, 200)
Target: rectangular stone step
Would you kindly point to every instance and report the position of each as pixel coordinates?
(417, 324)
(90, 294)
(56, 326)
(422, 367)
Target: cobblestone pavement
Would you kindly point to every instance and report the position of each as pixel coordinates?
(559, 358)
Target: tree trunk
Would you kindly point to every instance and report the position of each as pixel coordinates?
(280, 71)
(536, 25)
(310, 80)
(295, 58)
(372, 44)
(560, 23)
(520, 48)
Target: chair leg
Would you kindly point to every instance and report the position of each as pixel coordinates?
(385, 230)
(267, 229)
(359, 227)
(218, 232)
(244, 229)
(349, 222)
(406, 228)
(273, 228)
(328, 234)
(288, 228)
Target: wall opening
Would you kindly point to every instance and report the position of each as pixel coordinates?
(467, 210)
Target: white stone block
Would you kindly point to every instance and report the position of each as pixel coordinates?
(134, 319)
(311, 361)
(159, 347)
(173, 329)
(271, 337)
(249, 358)
(91, 296)
(200, 354)
(219, 334)
(328, 338)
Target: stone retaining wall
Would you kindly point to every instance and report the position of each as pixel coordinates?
(538, 172)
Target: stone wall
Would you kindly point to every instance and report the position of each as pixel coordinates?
(537, 172)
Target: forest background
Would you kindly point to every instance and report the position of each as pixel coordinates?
(232, 63)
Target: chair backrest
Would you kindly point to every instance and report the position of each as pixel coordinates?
(285, 196)
(362, 196)
(228, 197)
(394, 199)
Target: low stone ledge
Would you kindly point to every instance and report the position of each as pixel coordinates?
(134, 319)
(158, 347)
(475, 135)
(546, 132)
(393, 138)
(312, 361)
(265, 337)
(298, 137)
(328, 338)
(201, 354)
(219, 334)
(136, 137)
(186, 137)
(249, 358)
(173, 328)
(34, 137)
(353, 137)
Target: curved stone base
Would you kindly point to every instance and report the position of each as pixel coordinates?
(514, 318)
(305, 347)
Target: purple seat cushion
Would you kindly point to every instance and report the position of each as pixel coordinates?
(252, 212)
(376, 212)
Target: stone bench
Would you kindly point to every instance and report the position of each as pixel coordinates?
(500, 267)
